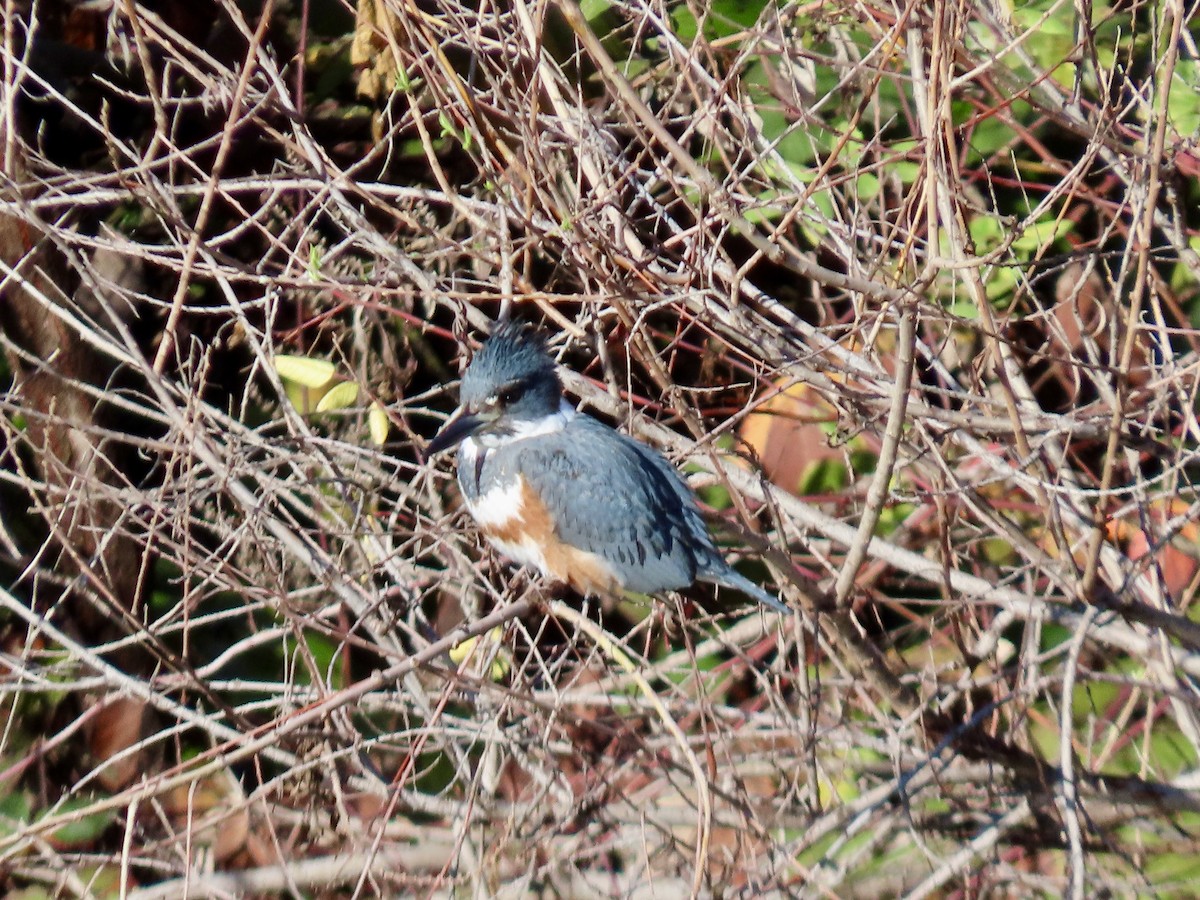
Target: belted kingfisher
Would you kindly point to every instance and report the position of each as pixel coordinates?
(558, 490)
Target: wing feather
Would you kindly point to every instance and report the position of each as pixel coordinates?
(621, 500)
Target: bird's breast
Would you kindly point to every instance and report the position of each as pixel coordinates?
(518, 523)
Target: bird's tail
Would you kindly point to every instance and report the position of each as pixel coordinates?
(731, 579)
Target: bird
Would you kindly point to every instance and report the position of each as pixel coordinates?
(555, 489)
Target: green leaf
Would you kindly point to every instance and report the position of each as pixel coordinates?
(715, 496)
(963, 309)
(593, 9)
(867, 186)
(987, 232)
(684, 24)
(1183, 105)
(825, 476)
(87, 829)
(14, 808)
(1039, 234)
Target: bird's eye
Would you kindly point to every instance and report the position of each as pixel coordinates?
(510, 394)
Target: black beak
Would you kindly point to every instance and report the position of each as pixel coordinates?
(461, 425)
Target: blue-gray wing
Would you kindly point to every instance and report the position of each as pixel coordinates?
(620, 499)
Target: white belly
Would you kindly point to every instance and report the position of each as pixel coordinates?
(525, 553)
(498, 509)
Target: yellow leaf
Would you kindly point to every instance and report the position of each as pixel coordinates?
(304, 370)
(377, 423)
(461, 651)
(340, 396)
(501, 664)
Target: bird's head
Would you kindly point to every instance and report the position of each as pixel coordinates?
(510, 386)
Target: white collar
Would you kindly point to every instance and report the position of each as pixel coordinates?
(527, 428)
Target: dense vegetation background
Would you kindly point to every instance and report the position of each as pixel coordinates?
(907, 288)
